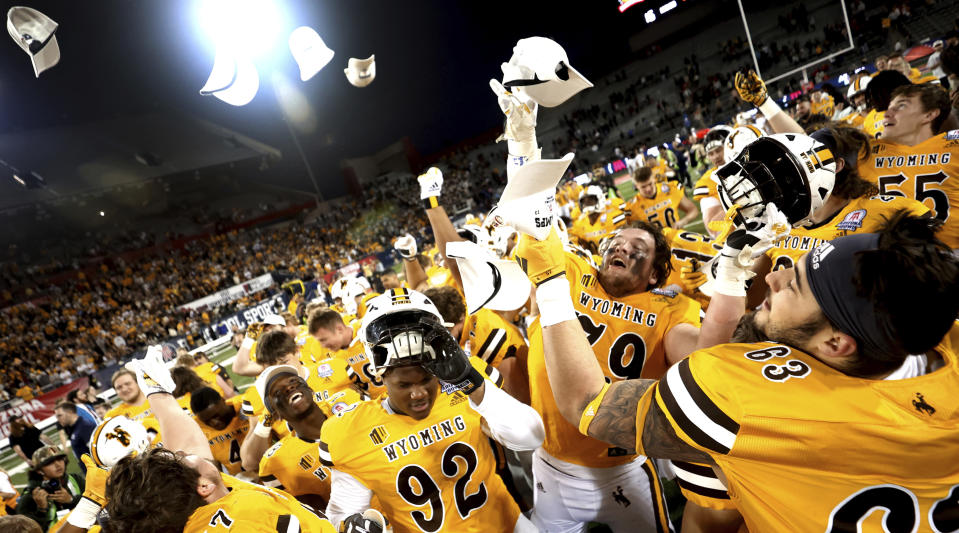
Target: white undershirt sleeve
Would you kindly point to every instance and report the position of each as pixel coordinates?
(348, 496)
(509, 421)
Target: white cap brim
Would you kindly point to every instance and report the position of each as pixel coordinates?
(314, 63)
(274, 320)
(263, 380)
(555, 92)
(489, 282)
(536, 177)
(47, 57)
(233, 80)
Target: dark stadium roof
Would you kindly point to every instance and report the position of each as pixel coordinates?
(123, 58)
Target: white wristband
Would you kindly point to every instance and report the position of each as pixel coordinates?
(554, 302)
(769, 108)
(262, 430)
(247, 343)
(84, 515)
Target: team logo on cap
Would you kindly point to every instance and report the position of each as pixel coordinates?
(852, 221)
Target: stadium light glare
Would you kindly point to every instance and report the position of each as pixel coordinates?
(626, 4)
(650, 16)
(250, 28)
(293, 103)
(667, 7)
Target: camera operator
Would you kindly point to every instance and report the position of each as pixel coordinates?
(50, 489)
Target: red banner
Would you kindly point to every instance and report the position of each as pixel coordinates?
(39, 408)
(351, 270)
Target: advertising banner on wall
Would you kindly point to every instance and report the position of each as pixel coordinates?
(37, 409)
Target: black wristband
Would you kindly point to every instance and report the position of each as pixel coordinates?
(431, 202)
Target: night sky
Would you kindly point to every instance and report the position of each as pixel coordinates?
(434, 60)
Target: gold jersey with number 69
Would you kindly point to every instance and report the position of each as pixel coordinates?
(806, 448)
(626, 335)
(927, 172)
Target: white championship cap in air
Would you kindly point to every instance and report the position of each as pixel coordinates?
(309, 51)
(361, 72)
(233, 79)
(34, 32)
(490, 282)
(540, 67)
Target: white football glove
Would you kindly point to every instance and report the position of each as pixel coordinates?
(742, 247)
(520, 113)
(406, 246)
(532, 214)
(431, 183)
(153, 377)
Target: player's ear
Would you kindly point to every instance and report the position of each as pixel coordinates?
(931, 115)
(840, 164)
(205, 487)
(837, 345)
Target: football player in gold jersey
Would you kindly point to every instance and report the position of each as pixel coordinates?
(705, 191)
(178, 487)
(635, 330)
(224, 426)
(134, 405)
(341, 340)
(912, 160)
(806, 432)
(423, 450)
(597, 220)
(244, 364)
(328, 377)
(660, 203)
(850, 205)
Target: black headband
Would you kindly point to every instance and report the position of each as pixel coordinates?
(830, 269)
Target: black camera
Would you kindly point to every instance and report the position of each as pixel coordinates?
(50, 485)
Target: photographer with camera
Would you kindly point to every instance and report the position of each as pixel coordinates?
(50, 492)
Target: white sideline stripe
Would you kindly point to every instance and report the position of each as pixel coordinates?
(696, 415)
(696, 479)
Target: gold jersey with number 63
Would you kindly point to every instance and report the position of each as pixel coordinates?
(806, 448)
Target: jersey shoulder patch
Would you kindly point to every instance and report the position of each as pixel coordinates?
(665, 292)
(952, 135)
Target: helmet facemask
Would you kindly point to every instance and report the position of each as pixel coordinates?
(406, 338)
(768, 170)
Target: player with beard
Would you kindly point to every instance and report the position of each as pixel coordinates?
(178, 488)
(423, 450)
(817, 428)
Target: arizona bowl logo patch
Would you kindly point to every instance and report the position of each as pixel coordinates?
(665, 188)
(852, 221)
(952, 134)
(448, 388)
(324, 370)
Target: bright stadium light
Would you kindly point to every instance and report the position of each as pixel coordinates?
(650, 16)
(667, 6)
(249, 27)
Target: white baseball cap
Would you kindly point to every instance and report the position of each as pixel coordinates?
(361, 72)
(309, 51)
(267, 376)
(540, 67)
(234, 78)
(34, 32)
(489, 281)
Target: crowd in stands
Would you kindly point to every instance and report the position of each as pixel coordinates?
(52, 333)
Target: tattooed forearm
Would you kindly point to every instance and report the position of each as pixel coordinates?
(660, 440)
(615, 420)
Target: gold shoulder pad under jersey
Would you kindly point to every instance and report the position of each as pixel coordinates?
(293, 464)
(705, 186)
(491, 338)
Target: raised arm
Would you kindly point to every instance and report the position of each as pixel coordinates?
(752, 89)
(431, 184)
(180, 432)
(242, 364)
